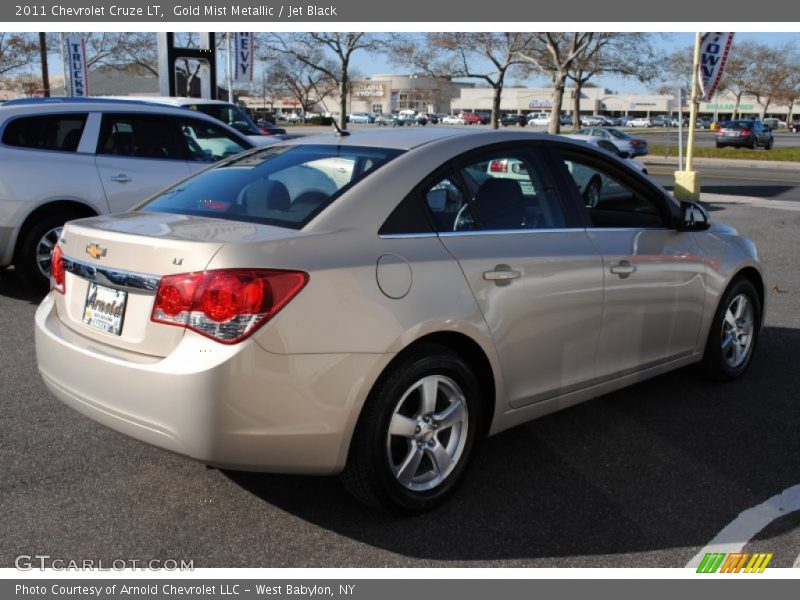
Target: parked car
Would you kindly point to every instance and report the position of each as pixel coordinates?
(388, 119)
(267, 128)
(744, 134)
(513, 119)
(794, 125)
(240, 318)
(361, 118)
(228, 113)
(661, 121)
(61, 159)
(774, 123)
(470, 118)
(565, 119)
(432, 118)
(486, 117)
(640, 122)
(292, 117)
(624, 143)
(594, 121)
(453, 120)
(539, 119)
(704, 122)
(409, 117)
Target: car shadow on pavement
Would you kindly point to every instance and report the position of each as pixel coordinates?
(757, 191)
(663, 464)
(12, 286)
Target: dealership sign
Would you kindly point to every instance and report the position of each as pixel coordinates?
(714, 50)
(76, 63)
(243, 51)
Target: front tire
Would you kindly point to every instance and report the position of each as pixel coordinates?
(416, 433)
(734, 332)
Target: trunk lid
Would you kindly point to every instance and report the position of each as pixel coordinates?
(128, 253)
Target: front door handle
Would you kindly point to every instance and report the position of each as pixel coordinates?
(623, 268)
(502, 275)
(121, 178)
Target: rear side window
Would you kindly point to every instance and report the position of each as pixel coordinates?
(141, 136)
(284, 186)
(46, 132)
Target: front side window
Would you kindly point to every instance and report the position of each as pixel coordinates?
(610, 199)
(231, 115)
(284, 186)
(46, 132)
(208, 142)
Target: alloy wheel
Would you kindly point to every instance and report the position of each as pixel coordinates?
(737, 331)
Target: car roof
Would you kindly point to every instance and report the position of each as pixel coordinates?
(171, 100)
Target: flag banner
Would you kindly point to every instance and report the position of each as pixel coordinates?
(243, 51)
(714, 50)
(76, 63)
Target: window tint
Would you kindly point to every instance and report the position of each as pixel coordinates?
(280, 185)
(610, 200)
(207, 142)
(50, 132)
(447, 204)
(142, 136)
(229, 114)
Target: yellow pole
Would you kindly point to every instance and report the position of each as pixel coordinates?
(687, 183)
(695, 102)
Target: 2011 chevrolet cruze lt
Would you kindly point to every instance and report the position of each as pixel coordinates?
(374, 304)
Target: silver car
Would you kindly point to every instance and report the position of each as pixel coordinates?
(373, 305)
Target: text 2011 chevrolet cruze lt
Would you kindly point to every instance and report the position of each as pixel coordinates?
(373, 304)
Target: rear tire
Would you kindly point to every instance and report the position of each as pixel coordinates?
(35, 247)
(416, 433)
(769, 144)
(734, 332)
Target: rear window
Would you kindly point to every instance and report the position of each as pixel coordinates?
(46, 132)
(286, 186)
(230, 115)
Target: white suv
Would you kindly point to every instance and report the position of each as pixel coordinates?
(64, 158)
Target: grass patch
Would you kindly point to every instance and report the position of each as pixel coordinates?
(782, 154)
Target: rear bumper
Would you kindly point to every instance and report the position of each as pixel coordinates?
(236, 406)
(738, 142)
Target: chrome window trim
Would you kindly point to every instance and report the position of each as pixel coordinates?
(510, 231)
(403, 236)
(114, 278)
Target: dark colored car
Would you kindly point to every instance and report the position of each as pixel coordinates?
(704, 122)
(794, 125)
(268, 128)
(744, 134)
(486, 118)
(507, 120)
(565, 119)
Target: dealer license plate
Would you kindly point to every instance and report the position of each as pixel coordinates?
(105, 308)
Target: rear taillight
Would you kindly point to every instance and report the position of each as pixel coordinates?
(57, 275)
(744, 132)
(498, 166)
(226, 305)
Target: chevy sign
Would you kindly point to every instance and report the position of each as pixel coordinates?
(714, 50)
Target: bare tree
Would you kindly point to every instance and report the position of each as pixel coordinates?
(287, 75)
(488, 56)
(773, 70)
(621, 53)
(789, 92)
(338, 46)
(554, 54)
(16, 51)
(740, 72)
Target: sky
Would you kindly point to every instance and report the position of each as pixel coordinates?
(372, 64)
(668, 41)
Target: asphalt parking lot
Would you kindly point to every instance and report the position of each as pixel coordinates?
(644, 477)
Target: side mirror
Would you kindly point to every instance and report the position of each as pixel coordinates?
(693, 217)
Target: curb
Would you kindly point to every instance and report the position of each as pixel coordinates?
(727, 162)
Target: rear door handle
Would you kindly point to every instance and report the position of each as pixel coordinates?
(623, 268)
(121, 178)
(502, 274)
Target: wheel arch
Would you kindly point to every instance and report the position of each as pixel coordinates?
(76, 207)
(472, 353)
(754, 276)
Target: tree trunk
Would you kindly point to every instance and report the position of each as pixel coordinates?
(735, 114)
(343, 100)
(576, 105)
(498, 94)
(559, 83)
(765, 108)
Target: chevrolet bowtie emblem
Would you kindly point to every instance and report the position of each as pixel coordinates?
(96, 251)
